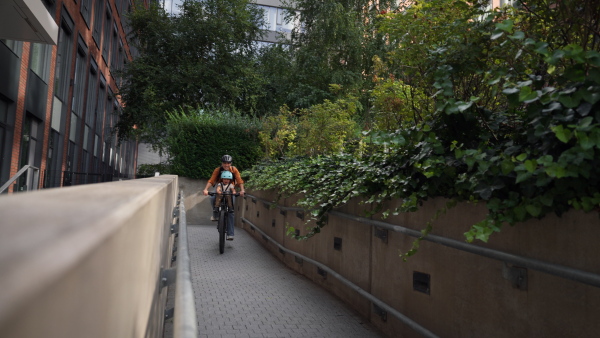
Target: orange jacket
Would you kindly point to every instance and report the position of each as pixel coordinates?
(216, 176)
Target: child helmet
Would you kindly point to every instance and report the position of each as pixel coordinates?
(226, 174)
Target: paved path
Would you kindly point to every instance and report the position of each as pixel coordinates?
(246, 292)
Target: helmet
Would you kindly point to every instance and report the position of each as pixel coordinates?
(226, 174)
(226, 158)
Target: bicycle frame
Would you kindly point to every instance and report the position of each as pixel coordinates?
(224, 209)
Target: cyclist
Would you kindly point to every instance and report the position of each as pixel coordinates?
(225, 186)
(216, 176)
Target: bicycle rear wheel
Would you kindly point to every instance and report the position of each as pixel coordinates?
(222, 230)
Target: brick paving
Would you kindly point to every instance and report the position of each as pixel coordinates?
(246, 292)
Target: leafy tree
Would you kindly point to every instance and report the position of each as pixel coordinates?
(334, 43)
(516, 126)
(203, 57)
(275, 66)
(322, 129)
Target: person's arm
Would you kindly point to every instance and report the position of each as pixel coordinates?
(211, 182)
(239, 182)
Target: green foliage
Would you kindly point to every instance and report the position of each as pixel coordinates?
(148, 170)
(325, 128)
(334, 44)
(515, 125)
(322, 129)
(278, 134)
(197, 139)
(203, 57)
(396, 104)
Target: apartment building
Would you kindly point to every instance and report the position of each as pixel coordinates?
(57, 92)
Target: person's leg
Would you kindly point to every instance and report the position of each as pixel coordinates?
(212, 204)
(230, 227)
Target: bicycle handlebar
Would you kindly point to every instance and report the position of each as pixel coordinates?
(224, 193)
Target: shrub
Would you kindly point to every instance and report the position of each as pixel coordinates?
(196, 140)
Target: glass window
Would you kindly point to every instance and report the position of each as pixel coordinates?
(106, 44)
(98, 11)
(100, 109)
(3, 111)
(14, 46)
(90, 111)
(40, 60)
(56, 113)
(63, 62)
(86, 11)
(79, 83)
(73, 129)
(3, 127)
(114, 63)
(86, 137)
(96, 140)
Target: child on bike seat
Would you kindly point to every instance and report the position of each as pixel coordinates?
(225, 186)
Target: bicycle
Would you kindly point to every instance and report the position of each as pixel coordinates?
(223, 209)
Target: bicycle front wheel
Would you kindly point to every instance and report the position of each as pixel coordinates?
(222, 230)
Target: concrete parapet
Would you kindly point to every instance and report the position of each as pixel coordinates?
(86, 261)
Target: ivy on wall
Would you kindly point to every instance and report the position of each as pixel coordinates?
(535, 155)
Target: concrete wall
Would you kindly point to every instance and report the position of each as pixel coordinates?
(469, 295)
(85, 261)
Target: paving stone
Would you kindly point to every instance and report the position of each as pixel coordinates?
(246, 292)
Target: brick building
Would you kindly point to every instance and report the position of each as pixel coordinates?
(57, 91)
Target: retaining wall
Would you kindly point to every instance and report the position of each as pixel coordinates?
(450, 292)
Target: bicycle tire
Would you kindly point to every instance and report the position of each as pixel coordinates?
(222, 230)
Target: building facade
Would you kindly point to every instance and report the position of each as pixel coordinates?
(57, 102)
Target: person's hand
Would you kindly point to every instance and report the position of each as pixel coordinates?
(205, 192)
(242, 193)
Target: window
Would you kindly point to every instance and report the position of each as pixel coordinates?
(72, 150)
(114, 62)
(56, 114)
(40, 60)
(14, 46)
(86, 11)
(106, 44)
(98, 11)
(101, 105)
(3, 135)
(29, 145)
(63, 62)
(79, 81)
(52, 174)
(90, 111)
(73, 129)
(274, 19)
(51, 7)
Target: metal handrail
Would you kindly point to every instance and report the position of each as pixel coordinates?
(546, 267)
(35, 178)
(406, 320)
(184, 320)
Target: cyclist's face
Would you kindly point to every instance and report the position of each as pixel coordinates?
(226, 165)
